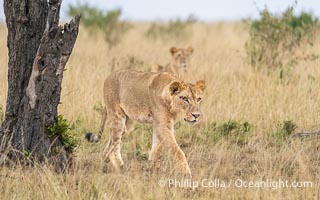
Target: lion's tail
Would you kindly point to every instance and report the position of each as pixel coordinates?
(91, 137)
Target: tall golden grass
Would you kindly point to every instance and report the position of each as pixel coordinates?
(235, 91)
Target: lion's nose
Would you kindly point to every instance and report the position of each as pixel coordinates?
(195, 115)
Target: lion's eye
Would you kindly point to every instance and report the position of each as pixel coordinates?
(199, 100)
(185, 99)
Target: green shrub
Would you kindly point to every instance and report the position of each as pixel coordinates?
(275, 40)
(108, 23)
(65, 131)
(284, 129)
(177, 29)
(236, 132)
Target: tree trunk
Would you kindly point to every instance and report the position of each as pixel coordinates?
(38, 52)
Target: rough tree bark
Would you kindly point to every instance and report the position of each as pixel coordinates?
(38, 51)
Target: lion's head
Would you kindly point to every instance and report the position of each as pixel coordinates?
(186, 98)
(181, 57)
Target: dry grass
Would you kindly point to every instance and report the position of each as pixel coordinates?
(235, 92)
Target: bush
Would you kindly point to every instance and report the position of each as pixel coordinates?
(285, 129)
(65, 131)
(235, 132)
(177, 29)
(275, 39)
(108, 23)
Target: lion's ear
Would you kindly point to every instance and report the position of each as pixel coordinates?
(175, 88)
(201, 85)
(173, 50)
(190, 50)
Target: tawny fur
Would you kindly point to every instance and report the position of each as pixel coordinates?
(149, 97)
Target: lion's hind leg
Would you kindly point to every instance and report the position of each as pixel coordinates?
(117, 127)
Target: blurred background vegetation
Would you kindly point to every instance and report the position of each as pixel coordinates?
(263, 82)
(107, 22)
(278, 41)
(281, 40)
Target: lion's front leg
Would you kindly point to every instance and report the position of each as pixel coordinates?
(164, 139)
(178, 156)
(155, 146)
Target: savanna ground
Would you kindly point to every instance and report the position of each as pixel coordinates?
(242, 134)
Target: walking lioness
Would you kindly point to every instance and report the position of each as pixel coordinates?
(148, 97)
